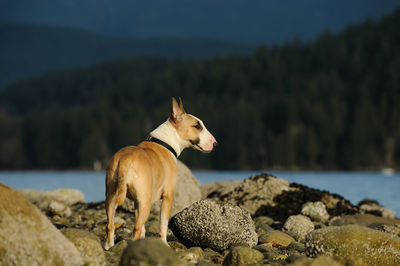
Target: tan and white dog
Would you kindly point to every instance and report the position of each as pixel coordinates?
(148, 172)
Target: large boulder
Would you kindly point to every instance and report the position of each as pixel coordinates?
(27, 237)
(148, 252)
(207, 223)
(266, 195)
(187, 191)
(354, 245)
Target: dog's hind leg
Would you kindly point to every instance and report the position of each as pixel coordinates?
(143, 212)
(111, 207)
(166, 206)
(115, 196)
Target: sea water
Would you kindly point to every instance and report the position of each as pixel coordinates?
(354, 186)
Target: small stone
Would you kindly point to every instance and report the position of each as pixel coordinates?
(58, 208)
(299, 225)
(212, 256)
(193, 255)
(275, 238)
(300, 247)
(178, 247)
(153, 228)
(268, 251)
(243, 256)
(316, 211)
(149, 251)
(262, 229)
(261, 220)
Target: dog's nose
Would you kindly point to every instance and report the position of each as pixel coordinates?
(215, 144)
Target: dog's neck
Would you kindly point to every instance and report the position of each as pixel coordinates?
(167, 133)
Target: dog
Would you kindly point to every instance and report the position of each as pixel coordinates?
(147, 173)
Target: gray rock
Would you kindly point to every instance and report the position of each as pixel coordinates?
(299, 225)
(207, 223)
(58, 208)
(149, 252)
(316, 211)
(254, 192)
(393, 229)
(240, 256)
(266, 195)
(114, 254)
(88, 245)
(215, 189)
(373, 207)
(27, 237)
(193, 255)
(362, 219)
(42, 198)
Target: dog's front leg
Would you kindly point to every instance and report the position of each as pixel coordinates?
(166, 206)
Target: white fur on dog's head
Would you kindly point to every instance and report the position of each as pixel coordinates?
(191, 129)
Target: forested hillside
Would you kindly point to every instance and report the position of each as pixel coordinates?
(27, 50)
(330, 104)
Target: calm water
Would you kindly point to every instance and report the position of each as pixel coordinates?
(354, 186)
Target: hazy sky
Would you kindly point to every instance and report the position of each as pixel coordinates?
(245, 20)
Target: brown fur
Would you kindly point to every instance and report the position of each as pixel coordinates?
(148, 172)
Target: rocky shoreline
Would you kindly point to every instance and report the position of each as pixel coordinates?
(263, 220)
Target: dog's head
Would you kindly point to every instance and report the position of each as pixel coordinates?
(191, 129)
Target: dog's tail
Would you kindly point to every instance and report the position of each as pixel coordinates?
(116, 185)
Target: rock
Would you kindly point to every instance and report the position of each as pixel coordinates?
(299, 225)
(114, 254)
(316, 211)
(297, 246)
(393, 229)
(178, 247)
(262, 220)
(372, 207)
(207, 223)
(212, 256)
(243, 256)
(266, 195)
(58, 208)
(319, 261)
(27, 237)
(193, 255)
(362, 219)
(352, 244)
(147, 252)
(42, 198)
(269, 252)
(88, 245)
(187, 191)
(217, 189)
(275, 238)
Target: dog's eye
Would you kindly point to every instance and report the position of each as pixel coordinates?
(197, 126)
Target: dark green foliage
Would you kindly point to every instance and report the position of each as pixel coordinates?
(27, 50)
(330, 104)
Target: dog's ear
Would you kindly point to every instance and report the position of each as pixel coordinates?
(181, 104)
(177, 110)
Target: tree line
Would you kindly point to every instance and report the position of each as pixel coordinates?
(328, 104)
